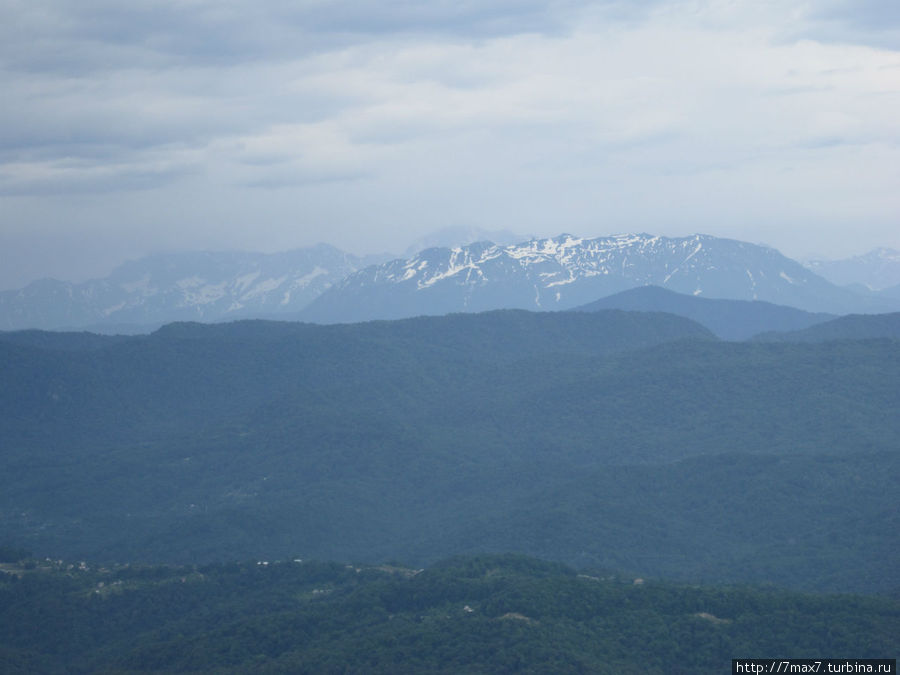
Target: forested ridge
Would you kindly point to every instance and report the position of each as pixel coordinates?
(476, 614)
(632, 441)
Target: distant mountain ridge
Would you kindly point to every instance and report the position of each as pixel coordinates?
(322, 284)
(566, 271)
(728, 319)
(851, 327)
(877, 270)
(198, 286)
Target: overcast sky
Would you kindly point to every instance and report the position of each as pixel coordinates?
(148, 125)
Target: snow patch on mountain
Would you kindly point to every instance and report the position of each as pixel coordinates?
(183, 286)
(141, 286)
(302, 280)
(566, 271)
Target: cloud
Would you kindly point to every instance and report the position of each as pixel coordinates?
(57, 177)
(98, 35)
(312, 118)
(290, 180)
(866, 22)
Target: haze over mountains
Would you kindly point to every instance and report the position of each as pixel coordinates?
(648, 434)
(201, 286)
(876, 270)
(322, 284)
(452, 237)
(578, 434)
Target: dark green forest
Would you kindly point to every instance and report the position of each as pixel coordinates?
(629, 441)
(478, 614)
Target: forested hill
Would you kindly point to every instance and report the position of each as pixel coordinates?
(852, 327)
(487, 614)
(623, 440)
(729, 319)
(500, 334)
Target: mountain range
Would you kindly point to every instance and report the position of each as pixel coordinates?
(632, 441)
(876, 270)
(200, 286)
(657, 432)
(566, 271)
(322, 284)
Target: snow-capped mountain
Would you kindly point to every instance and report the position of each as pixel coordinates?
(199, 286)
(566, 271)
(324, 284)
(876, 270)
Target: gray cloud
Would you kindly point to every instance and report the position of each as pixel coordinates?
(294, 179)
(81, 178)
(868, 15)
(865, 22)
(96, 35)
(166, 124)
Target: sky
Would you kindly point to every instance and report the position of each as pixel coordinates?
(128, 128)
